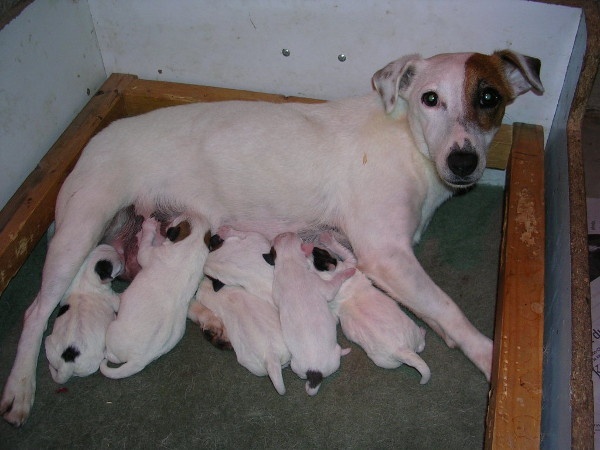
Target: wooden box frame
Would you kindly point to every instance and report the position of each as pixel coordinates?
(514, 412)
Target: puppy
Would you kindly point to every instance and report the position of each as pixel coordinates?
(309, 327)
(153, 309)
(252, 326)
(374, 321)
(239, 261)
(76, 345)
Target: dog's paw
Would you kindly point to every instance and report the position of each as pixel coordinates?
(482, 356)
(16, 402)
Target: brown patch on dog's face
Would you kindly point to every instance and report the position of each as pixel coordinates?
(486, 90)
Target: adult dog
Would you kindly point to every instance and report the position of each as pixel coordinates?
(376, 167)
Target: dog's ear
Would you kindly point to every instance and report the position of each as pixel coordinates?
(179, 232)
(322, 260)
(522, 72)
(215, 242)
(271, 256)
(216, 283)
(393, 79)
(104, 269)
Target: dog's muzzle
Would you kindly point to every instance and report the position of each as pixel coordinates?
(462, 162)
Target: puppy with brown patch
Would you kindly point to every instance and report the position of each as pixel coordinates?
(309, 327)
(76, 345)
(153, 311)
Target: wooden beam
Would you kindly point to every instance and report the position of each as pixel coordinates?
(515, 407)
(29, 212)
(145, 95)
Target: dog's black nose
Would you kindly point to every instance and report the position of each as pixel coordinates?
(462, 163)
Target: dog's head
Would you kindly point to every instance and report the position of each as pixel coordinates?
(455, 104)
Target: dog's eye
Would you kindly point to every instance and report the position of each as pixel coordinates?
(489, 98)
(430, 99)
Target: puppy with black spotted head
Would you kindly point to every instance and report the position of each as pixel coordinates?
(239, 261)
(154, 307)
(76, 345)
(308, 326)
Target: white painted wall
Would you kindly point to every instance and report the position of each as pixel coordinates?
(238, 43)
(49, 58)
(53, 52)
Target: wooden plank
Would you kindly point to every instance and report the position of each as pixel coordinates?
(146, 95)
(514, 411)
(29, 212)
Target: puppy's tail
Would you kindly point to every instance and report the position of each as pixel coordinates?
(412, 359)
(313, 381)
(124, 370)
(274, 371)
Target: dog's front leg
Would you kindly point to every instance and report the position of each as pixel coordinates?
(397, 271)
(19, 390)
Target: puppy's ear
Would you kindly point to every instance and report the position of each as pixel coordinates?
(216, 284)
(394, 79)
(522, 72)
(179, 232)
(103, 269)
(207, 239)
(271, 256)
(215, 242)
(322, 260)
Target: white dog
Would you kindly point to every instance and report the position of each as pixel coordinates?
(76, 345)
(252, 326)
(153, 311)
(308, 326)
(374, 321)
(375, 166)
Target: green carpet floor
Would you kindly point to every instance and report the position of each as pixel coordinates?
(199, 397)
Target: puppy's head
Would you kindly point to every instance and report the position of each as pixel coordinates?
(455, 104)
(103, 264)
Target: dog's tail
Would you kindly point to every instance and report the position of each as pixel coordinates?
(313, 381)
(124, 370)
(412, 359)
(274, 370)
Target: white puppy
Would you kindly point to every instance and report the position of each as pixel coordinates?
(374, 321)
(239, 261)
(153, 309)
(252, 326)
(76, 345)
(309, 327)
